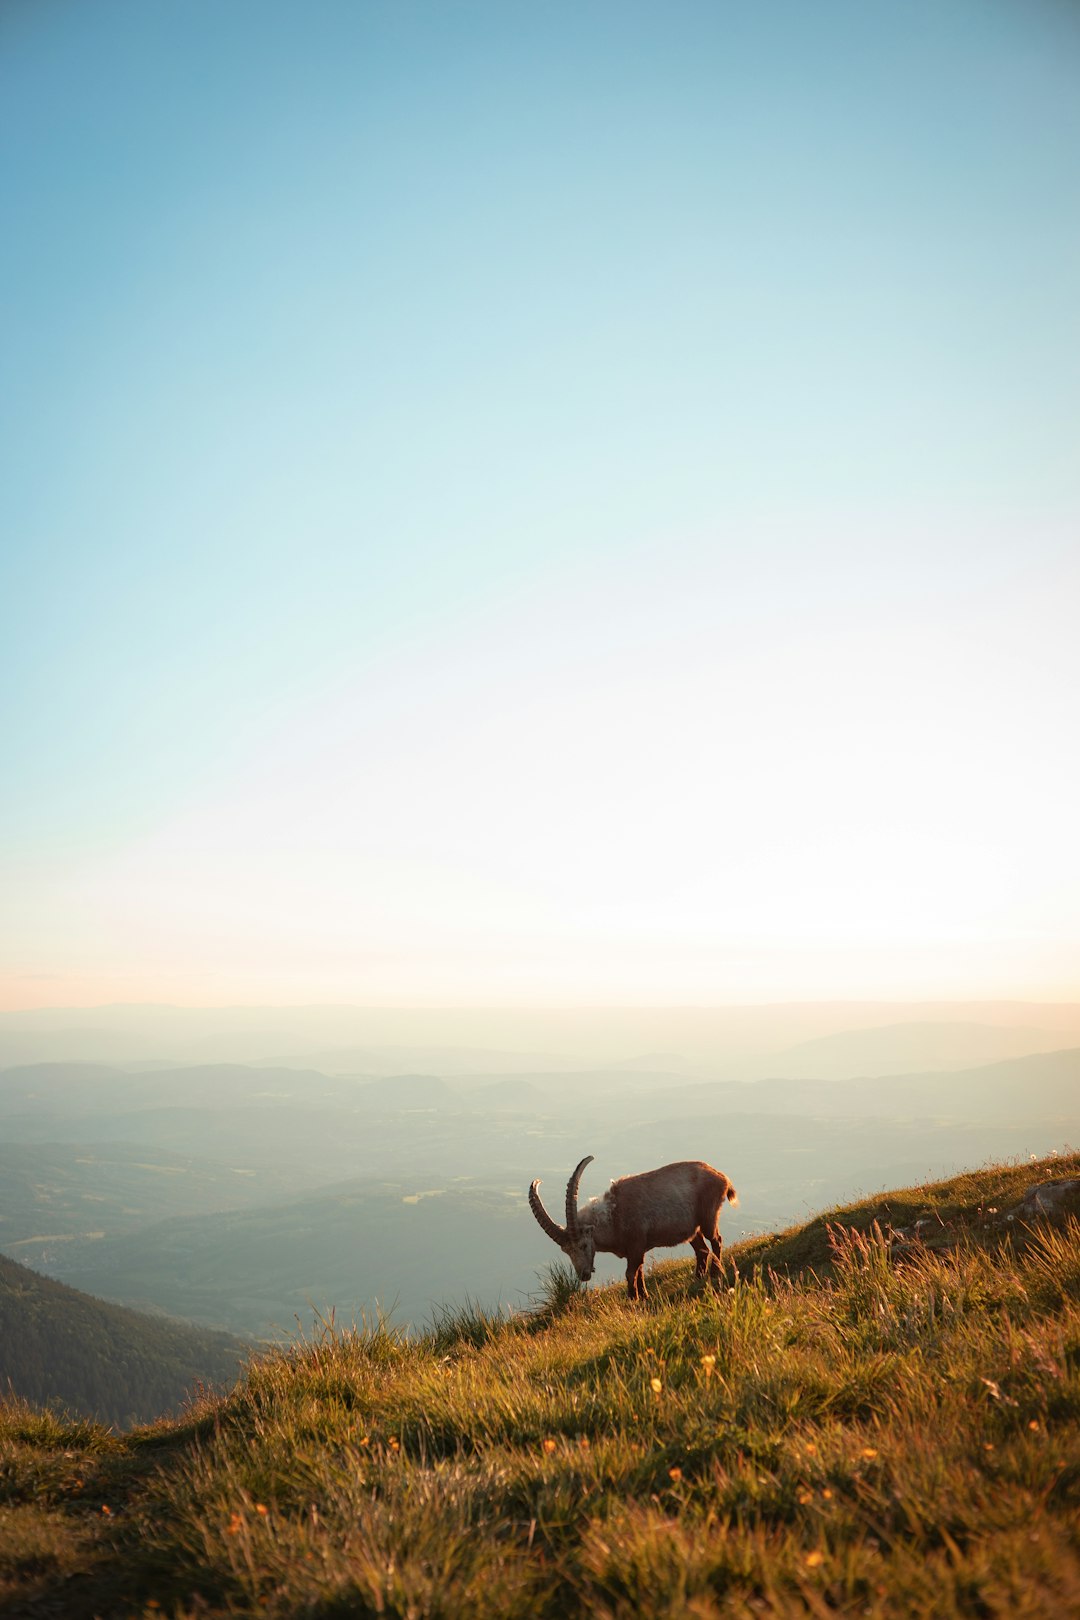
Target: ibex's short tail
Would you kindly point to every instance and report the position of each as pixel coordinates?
(731, 1195)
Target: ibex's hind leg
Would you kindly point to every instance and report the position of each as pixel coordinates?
(716, 1264)
(701, 1251)
(635, 1277)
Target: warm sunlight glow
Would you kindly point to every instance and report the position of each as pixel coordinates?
(768, 813)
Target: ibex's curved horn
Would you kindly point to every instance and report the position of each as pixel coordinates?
(555, 1232)
(571, 1196)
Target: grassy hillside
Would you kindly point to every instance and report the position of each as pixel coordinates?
(856, 1427)
(100, 1360)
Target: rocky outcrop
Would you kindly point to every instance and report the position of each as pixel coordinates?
(1047, 1200)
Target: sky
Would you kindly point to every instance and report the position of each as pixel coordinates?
(517, 504)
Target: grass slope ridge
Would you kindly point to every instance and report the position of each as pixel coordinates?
(59, 1346)
(878, 1433)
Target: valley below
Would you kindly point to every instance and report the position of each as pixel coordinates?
(262, 1197)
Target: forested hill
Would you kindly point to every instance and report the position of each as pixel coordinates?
(63, 1348)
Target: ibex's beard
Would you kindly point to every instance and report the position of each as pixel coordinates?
(582, 1256)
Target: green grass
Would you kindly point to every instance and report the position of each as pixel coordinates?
(845, 1431)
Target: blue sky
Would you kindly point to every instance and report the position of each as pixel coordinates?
(622, 457)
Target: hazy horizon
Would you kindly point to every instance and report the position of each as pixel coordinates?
(728, 1041)
(555, 506)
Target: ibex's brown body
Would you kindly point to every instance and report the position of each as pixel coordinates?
(657, 1210)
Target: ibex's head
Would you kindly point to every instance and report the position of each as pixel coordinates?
(574, 1239)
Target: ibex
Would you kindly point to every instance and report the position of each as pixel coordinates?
(679, 1204)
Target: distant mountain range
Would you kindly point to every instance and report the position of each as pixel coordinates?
(733, 1042)
(1042, 1085)
(63, 1348)
(909, 1048)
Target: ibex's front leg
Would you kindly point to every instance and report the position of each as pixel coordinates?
(635, 1277)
